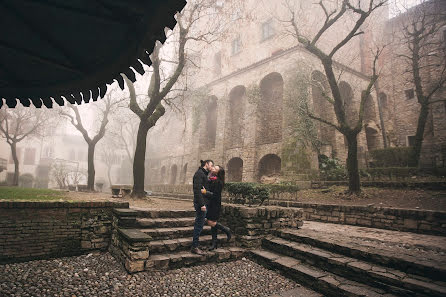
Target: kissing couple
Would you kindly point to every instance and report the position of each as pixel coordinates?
(208, 183)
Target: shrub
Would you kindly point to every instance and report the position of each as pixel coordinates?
(276, 189)
(393, 157)
(331, 169)
(26, 180)
(247, 193)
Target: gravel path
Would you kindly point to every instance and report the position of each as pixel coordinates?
(101, 275)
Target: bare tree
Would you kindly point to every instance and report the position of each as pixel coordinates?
(109, 154)
(60, 172)
(423, 51)
(19, 123)
(334, 12)
(106, 108)
(200, 22)
(76, 175)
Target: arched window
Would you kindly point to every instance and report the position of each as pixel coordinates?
(369, 109)
(163, 175)
(270, 164)
(235, 121)
(269, 109)
(173, 174)
(235, 170)
(211, 122)
(349, 106)
(183, 174)
(384, 105)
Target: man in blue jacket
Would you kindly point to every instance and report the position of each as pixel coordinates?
(200, 181)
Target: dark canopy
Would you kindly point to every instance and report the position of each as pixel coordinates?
(73, 48)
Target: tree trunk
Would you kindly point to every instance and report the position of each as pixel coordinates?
(422, 118)
(91, 171)
(354, 185)
(139, 160)
(15, 179)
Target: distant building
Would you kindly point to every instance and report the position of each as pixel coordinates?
(240, 114)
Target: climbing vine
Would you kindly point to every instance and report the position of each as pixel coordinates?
(296, 95)
(253, 94)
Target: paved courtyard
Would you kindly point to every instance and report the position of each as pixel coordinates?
(99, 274)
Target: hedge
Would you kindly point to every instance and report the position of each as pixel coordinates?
(393, 157)
(255, 193)
(247, 193)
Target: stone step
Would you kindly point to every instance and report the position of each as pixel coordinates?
(327, 283)
(181, 244)
(409, 264)
(154, 213)
(164, 222)
(184, 259)
(169, 233)
(391, 280)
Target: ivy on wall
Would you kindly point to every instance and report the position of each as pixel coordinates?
(253, 94)
(297, 100)
(302, 129)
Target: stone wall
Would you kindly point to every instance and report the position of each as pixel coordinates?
(35, 230)
(251, 224)
(419, 221)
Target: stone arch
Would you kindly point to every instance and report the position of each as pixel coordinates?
(323, 109)
(235, 170)
(347, 96)
(173, 174)
(269, 165)
(183, 174)
(211, 122)
(369, 109)
(372, 137)
(384, 104)
(235, 120)
(162, 174)
(269, 109)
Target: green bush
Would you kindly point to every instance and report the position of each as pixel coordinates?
(26, 180)
(276, 189)
(247, 193)
(393, 157)
(331, 169)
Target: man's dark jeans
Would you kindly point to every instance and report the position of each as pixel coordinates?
(198, 225)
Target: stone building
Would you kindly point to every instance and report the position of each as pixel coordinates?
(400, 108)
(242, 110)
(36, 156)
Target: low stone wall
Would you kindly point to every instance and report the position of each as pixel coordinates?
(172, 189)
(251, 224)
(411, 220)
(36, 230)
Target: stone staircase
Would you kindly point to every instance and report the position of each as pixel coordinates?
(338, 262)
(155, 239)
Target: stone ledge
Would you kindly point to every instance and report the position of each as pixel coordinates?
(134, 235)
(64, 204)
(125, 212)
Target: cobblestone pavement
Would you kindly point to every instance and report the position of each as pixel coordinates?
(100, 274)
(421, 247)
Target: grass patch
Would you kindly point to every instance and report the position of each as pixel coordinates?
(29, 194)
